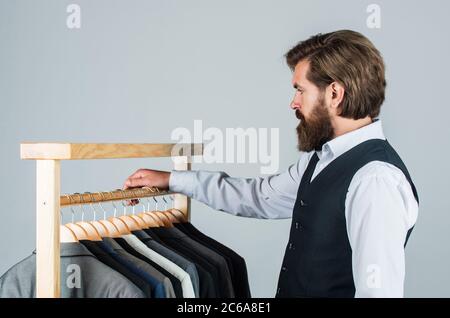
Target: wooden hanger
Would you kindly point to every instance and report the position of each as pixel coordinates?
(144, 223)
(179, 215)
(168, 215)
(162, 217)
(131, 223)
(99, 227)
(79, 231)
(175, 215)
(92, 232)
(145, 220)
(66, 235)
(149, 221)
(171, 216)
(121, 225)
(113, 231)
(140, 221)
(156, 218)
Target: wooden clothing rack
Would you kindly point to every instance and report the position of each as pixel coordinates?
(49, 200)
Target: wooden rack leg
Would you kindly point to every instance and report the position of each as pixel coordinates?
(182, 202)
(47, 231)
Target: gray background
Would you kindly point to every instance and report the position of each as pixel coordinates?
(136, 70)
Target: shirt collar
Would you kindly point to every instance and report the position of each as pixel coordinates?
(337, 146)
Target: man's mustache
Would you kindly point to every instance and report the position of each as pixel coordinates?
(299, 115)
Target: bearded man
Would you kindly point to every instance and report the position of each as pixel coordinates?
(351, 199)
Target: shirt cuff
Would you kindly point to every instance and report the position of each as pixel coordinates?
(182, 181)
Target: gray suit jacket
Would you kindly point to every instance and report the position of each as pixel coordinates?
(82, 276)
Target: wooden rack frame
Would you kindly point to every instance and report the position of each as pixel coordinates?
(48, 157)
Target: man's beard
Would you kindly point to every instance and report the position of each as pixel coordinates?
(317, 130)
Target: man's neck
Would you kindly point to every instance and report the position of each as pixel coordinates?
(345, 125)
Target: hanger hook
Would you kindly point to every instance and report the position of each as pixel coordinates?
(113, 204)
(71, 207)
(92, 206)
(143, 204)
(141, 200)
(173, 201)
(136, 192)
(81, 206)
(166, 205)
(154, 198)
(156, 203)
(123, 201)
(101, 206)
(148, 198)
(61, 211)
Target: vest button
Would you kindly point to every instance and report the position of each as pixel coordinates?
(291, 246)
(283, 269)
(297, 225)
(278, 290)
(302, 203)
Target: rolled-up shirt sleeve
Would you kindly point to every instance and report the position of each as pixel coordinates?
(270, 197)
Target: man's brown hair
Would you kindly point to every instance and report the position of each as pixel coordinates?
(349, 58)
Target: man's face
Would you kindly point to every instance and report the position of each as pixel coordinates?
(309, 104)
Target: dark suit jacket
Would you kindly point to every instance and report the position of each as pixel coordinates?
(239, 275)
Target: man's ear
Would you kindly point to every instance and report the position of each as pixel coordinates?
(337, 96)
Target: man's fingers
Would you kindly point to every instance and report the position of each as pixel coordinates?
(136, 182)
(132, 202)
(138, 174)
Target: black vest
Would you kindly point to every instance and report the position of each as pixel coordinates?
(318, 257)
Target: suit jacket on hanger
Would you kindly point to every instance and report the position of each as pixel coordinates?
(208, 275)
(157, 287)
(175, 282)
(178, 240)
(82, 276)
(168, 287)
(107, 259)
(239, 274)
(187, 266)
(174, 269)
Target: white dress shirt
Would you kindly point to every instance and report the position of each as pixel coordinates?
(380, 207)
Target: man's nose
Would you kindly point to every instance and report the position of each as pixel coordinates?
(295, 104)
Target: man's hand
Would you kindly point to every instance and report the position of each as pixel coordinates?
(147, 178)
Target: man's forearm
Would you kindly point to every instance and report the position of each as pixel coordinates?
(247, 197)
